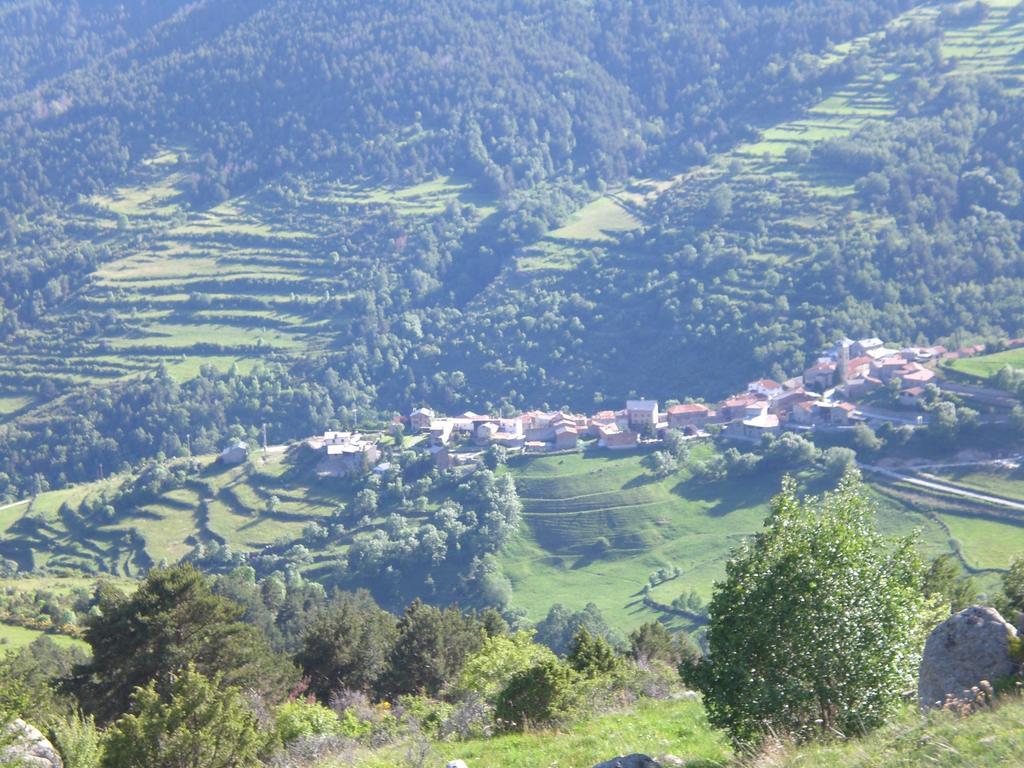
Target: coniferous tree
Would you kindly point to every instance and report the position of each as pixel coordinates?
(171, 621)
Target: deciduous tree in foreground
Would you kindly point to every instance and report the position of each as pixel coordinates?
(818, 625)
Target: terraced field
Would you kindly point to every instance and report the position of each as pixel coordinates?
(571, 501)
(226, 506)
(242, 282)
(990, 46)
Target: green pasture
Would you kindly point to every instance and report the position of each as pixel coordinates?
(12, 403)
(985, 366)
(987, 544)
(597, 221)
(13, 638)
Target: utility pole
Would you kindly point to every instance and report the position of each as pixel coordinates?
(264, 439)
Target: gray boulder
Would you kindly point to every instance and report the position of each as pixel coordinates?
(630, 761)
(965, 649)
(456, 764)
(30, 749)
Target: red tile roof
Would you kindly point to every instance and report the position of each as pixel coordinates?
(688, 408)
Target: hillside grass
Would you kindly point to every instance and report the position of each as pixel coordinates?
(572, 502)
(13, 638)
(988, 739)
(654, 728)
(985, 366)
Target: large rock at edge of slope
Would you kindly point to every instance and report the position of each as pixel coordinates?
(965, 649)
(630, 761)
(31, 749)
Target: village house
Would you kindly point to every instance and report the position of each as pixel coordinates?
(642, 414)
(861, 386)
(915, 374)
(858, 366)
(612, 437)
(539, 426)
(441, 431)
(764, 423)
(888, 368)
(420, 419)
(234, 454)
(881, 353)
(821, 375)
(755, 409)
(923, 354)
(442, 457)
(507, 432)
(828, 413)
(797, 382)
(566, 436)
(688, 415)
(348, 456)
(766, 387)
(735, 408)
(864, 346)
(843, 414)
(912, 397)
(469, 422)
(802, 413)
(783, 406)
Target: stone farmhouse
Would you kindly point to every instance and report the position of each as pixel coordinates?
(345, 453)
(642, 414)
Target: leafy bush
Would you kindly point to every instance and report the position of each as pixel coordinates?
(592, 656)
(544, 694)
(428, 714)
(818, 625)
(78, 740)
(500, 659)
(199, 723)
(301, 718)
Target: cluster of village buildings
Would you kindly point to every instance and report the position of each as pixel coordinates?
(830, 394)
(823, 397)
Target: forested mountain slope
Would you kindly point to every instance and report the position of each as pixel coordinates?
(477, 204)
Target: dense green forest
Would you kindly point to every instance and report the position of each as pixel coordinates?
(348, 210)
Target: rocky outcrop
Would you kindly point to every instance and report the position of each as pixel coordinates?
(966, 649)
(456, 764)
(630, 761)
(31, 749)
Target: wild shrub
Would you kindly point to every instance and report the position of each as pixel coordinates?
(818, 625)
(542, 695)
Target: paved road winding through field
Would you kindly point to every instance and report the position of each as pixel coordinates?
(944, 487)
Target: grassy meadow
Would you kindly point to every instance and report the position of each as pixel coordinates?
(595, 525)
(987, 739)
(984, 366)
(653, 728)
